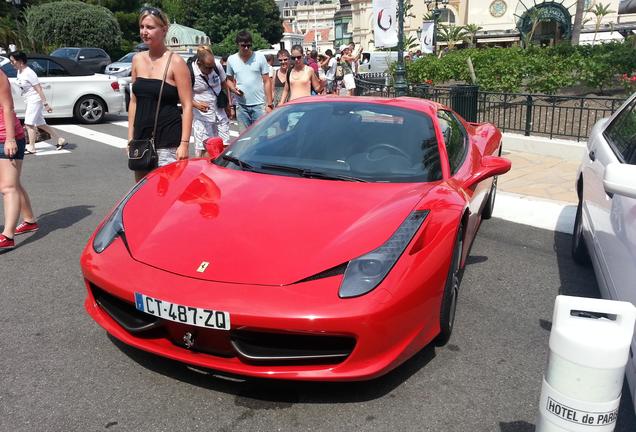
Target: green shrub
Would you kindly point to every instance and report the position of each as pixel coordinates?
(72, 23)
(536, 69)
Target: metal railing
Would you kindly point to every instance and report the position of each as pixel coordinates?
(566, 117)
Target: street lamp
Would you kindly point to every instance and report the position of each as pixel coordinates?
(435, 13)
(400, 71)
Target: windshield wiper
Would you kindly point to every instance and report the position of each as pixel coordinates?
(236, 161)
(305, 172)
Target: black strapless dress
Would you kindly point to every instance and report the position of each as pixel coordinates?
(168, 133)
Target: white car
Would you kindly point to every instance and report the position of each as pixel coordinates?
(605, 224)
(71, 90)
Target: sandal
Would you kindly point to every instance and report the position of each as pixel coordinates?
(28, 152)
(61, 143)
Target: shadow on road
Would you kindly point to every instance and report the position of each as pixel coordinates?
(255, 393)
(58, 219)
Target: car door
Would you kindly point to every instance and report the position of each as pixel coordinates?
(41, 67)
(18, 101)
(613, 217)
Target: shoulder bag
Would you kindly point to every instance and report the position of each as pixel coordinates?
(142, 154)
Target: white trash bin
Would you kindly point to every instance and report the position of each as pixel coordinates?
(589, 348)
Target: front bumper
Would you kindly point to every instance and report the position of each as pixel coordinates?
(367, 336)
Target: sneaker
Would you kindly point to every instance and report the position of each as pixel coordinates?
(6, 243)
(26, 227)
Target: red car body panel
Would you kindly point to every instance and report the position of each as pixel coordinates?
(264, 234)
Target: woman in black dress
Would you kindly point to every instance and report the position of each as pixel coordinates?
(172, 137)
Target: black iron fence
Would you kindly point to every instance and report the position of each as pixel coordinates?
(567, 117)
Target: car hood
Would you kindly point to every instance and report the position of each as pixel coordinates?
(256, 228)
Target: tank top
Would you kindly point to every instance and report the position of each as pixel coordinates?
(19, 132)
(168, 132)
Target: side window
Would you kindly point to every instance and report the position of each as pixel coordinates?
(55, 70)
(9, 70)
(454, 138)
(39, 66)
(621, 134)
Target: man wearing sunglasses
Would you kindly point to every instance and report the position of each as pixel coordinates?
(251, 82)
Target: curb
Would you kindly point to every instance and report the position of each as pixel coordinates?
(564, 149)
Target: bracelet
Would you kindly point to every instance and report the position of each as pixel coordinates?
(188, 141)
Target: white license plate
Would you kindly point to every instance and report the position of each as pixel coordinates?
(199, 317)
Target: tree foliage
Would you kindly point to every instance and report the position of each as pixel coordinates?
(219, 18)
(228, 45)
(72, 23)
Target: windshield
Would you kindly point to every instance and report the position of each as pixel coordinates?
(127, 58)
(358, 141)
(68, 53)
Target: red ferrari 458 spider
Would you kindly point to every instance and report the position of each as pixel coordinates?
(326, 243)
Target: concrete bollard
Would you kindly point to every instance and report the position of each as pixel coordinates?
(589, 348)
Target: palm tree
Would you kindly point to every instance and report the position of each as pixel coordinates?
(599, 11)
(471, 31)
(535, 19)
(451, 34)
(578, 21)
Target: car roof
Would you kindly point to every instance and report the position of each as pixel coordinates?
(73, 68)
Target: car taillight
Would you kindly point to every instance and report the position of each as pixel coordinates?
(115, 85)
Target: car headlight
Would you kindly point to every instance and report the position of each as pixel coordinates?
(365, 273)
(114, 225)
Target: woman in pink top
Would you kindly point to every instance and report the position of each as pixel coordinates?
(12, 146)
(301, 78)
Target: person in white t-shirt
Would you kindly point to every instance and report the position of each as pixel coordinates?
(35, 102)
(208, 119)
(329, 64)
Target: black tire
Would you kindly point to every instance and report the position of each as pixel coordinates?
(489, 207)
(90, 110)
(580, 254)
(451, 292)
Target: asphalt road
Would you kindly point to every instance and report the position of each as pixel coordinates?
(59, 371)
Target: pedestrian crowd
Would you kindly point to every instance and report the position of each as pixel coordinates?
(171, 100)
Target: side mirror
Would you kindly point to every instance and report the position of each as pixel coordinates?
(620, 179)
(490, 166)
(214, 146)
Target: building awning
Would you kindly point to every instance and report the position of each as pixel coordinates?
(499, 39)
(601, 37)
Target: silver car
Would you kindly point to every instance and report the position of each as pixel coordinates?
(122, 67)
(605, 225)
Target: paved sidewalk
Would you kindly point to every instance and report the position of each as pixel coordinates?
(540, 176)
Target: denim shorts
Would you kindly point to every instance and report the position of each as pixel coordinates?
(19, 154)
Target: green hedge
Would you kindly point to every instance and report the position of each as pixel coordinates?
(541, 70)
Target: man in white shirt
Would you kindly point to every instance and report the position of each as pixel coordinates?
(251, 84)
(209, 120)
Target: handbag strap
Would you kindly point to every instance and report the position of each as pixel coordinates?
(163, 81)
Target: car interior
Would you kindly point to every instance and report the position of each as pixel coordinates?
(374, 143)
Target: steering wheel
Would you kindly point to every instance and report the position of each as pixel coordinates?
(390, 147)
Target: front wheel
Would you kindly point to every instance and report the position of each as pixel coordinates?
(90, 110)
(451, 292)
(580, 254)
(489, 207)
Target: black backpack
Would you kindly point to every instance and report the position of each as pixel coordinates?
(222, 100)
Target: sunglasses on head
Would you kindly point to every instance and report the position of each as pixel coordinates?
(152, 11)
